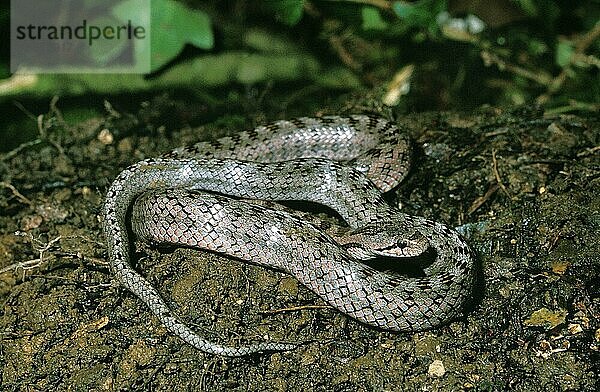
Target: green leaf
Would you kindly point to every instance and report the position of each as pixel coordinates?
(338, 78)
(269, 42)
(422, 13)
(205, 71)
(172, 26)
(371, 19)
(529, 7)
(103, 51)
(287, 11)
(564, 51)
(536, 47)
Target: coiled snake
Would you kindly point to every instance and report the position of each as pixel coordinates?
(345, 163)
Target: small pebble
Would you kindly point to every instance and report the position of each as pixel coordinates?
(436, 369)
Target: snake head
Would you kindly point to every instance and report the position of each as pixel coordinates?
(384, 240)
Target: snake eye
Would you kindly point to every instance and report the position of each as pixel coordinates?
(401, 244)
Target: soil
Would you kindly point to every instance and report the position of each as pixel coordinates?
(521, 187)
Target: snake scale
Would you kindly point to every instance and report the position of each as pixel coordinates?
(345, 163)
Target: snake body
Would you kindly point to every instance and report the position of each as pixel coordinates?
(345, 163)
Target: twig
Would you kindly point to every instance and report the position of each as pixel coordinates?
(538, 77)
(17, 150)
(383, 4)
(590, 60)
(54, 109)
(497, 174)
(29, 264)
(337, 44)
(587, 39)
(589, 151)
(79, 256)
(581, 45)
(16, 193)
(496, 133)
(573, 105)
(22, 108)
(42, 129)
(295, 308)
(45, 256)
(482, 199)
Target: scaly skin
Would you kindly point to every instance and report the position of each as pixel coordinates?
(297, 160)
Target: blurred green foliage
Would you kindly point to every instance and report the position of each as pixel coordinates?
(452, 54)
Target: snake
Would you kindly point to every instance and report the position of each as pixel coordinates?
(196, 196)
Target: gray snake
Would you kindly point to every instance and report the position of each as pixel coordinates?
(345, 163)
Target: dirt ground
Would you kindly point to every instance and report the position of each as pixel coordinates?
(521, 187)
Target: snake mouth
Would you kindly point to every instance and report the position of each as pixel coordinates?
(404, 248)
(410, 267)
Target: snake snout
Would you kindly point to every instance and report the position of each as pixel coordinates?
(417, 244)
(405, 246)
